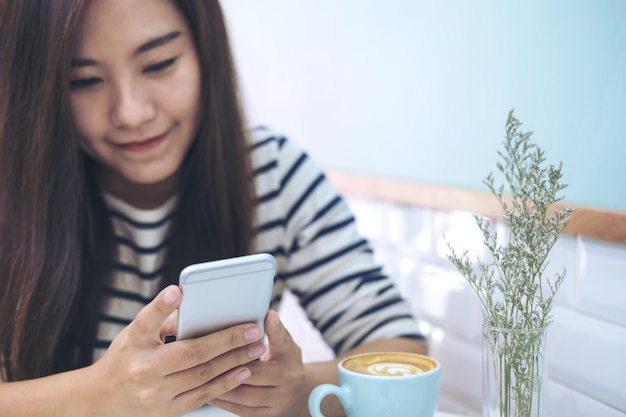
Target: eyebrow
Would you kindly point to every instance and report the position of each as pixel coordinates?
(151, 44)
(154, 43)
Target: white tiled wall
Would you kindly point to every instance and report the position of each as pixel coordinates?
(587, 340)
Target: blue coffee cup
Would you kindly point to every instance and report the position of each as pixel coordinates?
(383, 384)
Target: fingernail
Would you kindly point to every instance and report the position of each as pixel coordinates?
(170, 296)
(253, 333)
(256, 350)
(274, 320)
(243, 375)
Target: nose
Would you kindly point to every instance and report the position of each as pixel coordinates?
(132, 106)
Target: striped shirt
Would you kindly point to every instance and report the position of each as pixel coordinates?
(304, 223)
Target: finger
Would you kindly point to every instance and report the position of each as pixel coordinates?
(201, 374)
(204, 394)
(247, 402)
(280, 342)
(170, 327)
(265, 374)
(151, 318)
(187, 353)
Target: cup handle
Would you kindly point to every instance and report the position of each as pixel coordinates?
(321, 391)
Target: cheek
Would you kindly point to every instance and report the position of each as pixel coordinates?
(184, 93)
(184, 99)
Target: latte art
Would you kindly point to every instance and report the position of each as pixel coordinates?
(393, 369)
(389, 364)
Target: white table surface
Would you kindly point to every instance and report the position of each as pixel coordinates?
(218, 412)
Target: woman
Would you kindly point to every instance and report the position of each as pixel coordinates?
(123, 158)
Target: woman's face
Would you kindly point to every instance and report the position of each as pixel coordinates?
(135, 90)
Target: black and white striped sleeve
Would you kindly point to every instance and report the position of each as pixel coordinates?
(321, 258)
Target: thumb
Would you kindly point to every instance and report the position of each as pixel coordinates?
(279, 340)
(151, 318)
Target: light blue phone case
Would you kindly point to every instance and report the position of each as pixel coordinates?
(223, 293)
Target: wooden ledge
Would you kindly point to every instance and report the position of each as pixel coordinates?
(588, 221)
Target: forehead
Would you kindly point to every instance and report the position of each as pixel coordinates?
(126, 24)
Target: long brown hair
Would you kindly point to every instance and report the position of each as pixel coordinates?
(56, 240)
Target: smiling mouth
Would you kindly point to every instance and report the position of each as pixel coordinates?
(143, 145)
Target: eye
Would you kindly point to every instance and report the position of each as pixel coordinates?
(83, 83)
(160, 66)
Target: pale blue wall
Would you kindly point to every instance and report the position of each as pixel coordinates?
(420, 89)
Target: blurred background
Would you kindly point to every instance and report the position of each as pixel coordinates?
(419, 90)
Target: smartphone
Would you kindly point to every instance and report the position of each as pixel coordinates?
(223, 293)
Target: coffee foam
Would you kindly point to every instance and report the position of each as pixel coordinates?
(393, 369)
(389, 364)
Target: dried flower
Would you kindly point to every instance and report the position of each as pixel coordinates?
(511, 286)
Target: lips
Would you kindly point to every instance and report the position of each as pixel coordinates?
(143, 144)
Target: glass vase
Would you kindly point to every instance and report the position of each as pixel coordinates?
(514, 372)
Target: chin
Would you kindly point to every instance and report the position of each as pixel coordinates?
(154, 179)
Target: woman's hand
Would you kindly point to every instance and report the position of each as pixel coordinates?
(140, 375)
(277, 385)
